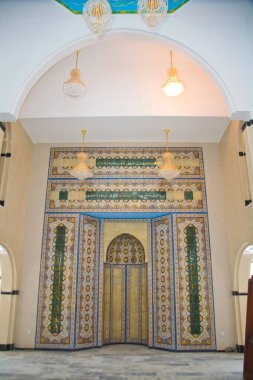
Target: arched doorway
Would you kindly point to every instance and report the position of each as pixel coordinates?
(7, 298)
(243, 271)
(125, 311)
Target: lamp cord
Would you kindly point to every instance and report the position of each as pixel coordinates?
(83, 133)
(167, 139)
(171, 63)
(77, 54)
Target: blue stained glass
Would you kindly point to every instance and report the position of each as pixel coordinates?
(118, 6)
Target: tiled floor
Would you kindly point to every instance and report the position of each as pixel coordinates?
(119, 362)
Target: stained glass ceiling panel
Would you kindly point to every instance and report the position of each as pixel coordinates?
(118, 6)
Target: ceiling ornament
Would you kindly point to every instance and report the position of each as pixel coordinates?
(97, 14)
(167, 168)
(82, 170)
(74, 86)
(122, 6)
(173, 85)
(152, 12)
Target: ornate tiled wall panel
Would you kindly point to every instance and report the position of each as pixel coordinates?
(163, 287)
(126, 162)
(126, 195)
(57, 291)
(125, 249)
(88, 324)
(193, 283)
(178, 292)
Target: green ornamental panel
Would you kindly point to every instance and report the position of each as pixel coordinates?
(193, 283)
(57, 289)
(58, 279)
(126, 162)
(193, 278)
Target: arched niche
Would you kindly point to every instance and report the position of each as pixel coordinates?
(242, 271)
(7, 297)
(125, 249)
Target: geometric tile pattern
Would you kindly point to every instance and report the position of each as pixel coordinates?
(56, 305)
(166, 302)
(126, 162)
(164, 334)
(126, 195)
(193, 283)
(88, 284)
(125, 249)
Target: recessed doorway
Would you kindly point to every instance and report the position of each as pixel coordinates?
(125, 311)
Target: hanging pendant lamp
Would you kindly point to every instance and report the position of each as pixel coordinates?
(173, 85)
(82, 170)
(152, 12)
(167, 168)
(74, 86)
(97, 14)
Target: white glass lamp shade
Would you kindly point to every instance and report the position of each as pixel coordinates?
(152, 12)
(81, 170)
(74, 86)
(97, 14)
(173, 86)
(167, 169)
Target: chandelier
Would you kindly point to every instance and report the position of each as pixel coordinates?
(82, 170)
(167, 169)
(74, 86)
(173, 86)
(97, 14)
(152, 12)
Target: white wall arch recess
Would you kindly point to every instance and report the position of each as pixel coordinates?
(52, 41)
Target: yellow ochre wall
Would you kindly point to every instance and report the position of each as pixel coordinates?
(239, 219)
(12, 221)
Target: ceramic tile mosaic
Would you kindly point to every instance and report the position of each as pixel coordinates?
(126, 195)
(193, 288)
(165, 303)
(88, 284)
(57, 296)
(163, 288)
(126, 162)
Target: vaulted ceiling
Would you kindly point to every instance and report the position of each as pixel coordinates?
(124, 100)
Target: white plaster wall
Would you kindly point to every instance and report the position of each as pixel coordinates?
(37, 34)
(27, 310)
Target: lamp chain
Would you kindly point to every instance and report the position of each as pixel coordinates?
(171, 63)
(77, 55)
(83, 133)
(167, 139)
